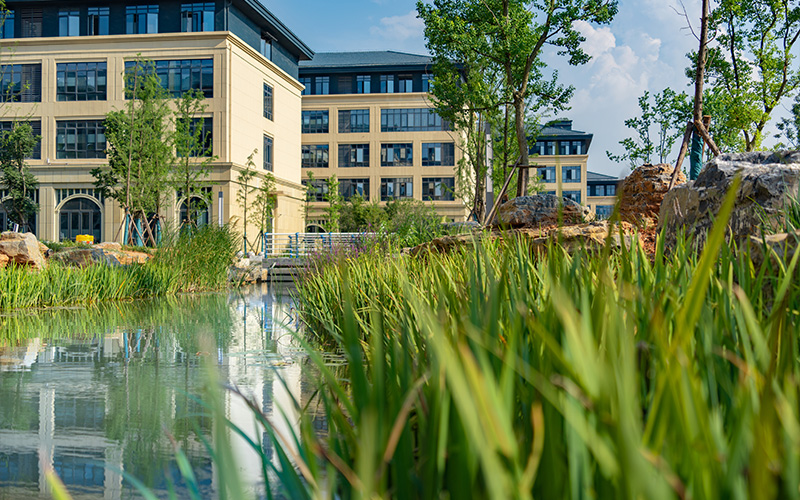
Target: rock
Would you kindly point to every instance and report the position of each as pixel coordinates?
(780, 247)
(22, 249)
(87, 256)
(769, 181)
(541, 210)
(3, 260)
(644, 189)
(109, 245)
(46, 251)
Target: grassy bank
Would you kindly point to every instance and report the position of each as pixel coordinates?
(184, 262)
(493, 373)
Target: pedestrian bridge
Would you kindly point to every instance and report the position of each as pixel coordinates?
(297, 245)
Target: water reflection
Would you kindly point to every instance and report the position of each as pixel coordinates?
(100, 390)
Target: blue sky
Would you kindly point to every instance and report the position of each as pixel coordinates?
(643, 49)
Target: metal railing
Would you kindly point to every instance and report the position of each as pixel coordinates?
(294, 245)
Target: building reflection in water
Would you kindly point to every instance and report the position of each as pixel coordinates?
(94, 392)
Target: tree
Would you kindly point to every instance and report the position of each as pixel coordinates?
(751, 68)
(359, 215)
(658, 127)
(193, 154)
(244, 179)
(790, 127)
(15, 147)
(264, 204)
(140, 151)
(511, 35)
(334, 209)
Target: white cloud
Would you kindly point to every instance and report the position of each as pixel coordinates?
(399, 28)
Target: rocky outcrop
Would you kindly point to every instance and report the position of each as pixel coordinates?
(780, 248)
(86, 256)
(770, 180)
(643, 190)
(21, 249)
(539, 211)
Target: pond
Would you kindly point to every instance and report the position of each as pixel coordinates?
(90, 392)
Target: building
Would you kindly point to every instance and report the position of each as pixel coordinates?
(562, 155)
(63, 63)
(368, 121)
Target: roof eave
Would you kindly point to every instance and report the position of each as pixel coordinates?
(303, 50)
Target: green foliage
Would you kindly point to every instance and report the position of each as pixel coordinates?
(358, 215)
(790, 127)
(658, 127)
(333, 210)
(15, 175)
(264, 204)
(245, 189)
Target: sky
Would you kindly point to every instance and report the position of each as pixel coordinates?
(644, 48)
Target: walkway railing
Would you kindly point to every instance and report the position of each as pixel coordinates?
(294, 245)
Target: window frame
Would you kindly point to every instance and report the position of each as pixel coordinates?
(402, 150)
(399, 184)
(268, 101)
(141, 16)
(311, 124)
(354, 184)
(315, 156)
(447, 192)
(97, 19)
(197, 15)
(348, 151)
(361, 118)
(268, 153)
(62, 128)
(63, 71)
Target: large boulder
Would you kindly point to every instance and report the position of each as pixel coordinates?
(86, 256)
(541, 210)
(770, 180)
(780, 248)
(644, 189)
(21, 249)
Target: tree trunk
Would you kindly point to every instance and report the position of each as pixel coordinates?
(522, 144)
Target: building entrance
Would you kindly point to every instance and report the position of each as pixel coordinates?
(80, 216)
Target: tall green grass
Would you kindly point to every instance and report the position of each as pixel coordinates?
(186, 262)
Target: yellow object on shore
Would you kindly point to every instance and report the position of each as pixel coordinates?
(84, 238)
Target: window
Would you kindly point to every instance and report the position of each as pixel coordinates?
(436, 154)
(315, 122)
(387, 84)
(563, 147)
(411, 120)
(141, 19)
(353, 120)
(316, 190)
(427, 81)
(31, 23)
(570, 174)
(69, 22)
(80, 139)
(8, 126)
(8, 24)
(353, 155)
(602, 190)
(205, 142)
(314, 156)
(267, 102)
(397, 155)
(265, 46)
(538, 148)
(21, 83)
(363, 83)
(604, 211)
(572, 195)
(551, 148)
(438, 188)
(197, 17)
(85, 81)
(576, 148)
(405, 84)
(352, 187)
(306, 81)
(322, 85)
(547, 174)
(97, 21)
(178, 76)
(268, 144)
(396, 187)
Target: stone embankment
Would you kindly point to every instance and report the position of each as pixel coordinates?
(23, 249)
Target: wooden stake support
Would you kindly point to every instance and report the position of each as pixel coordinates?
(491, 215)
(687, 137)
(706, 137)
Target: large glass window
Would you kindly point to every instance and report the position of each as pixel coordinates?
(352, 187)
(141, 19)
(8, 24)
(21, 83)
(602, 190)
(31, 23)
(267, 102)
(265, 46)
(314, 155)
(396, 187)
(438, 188)
(576, 148)
(411, 120)
(363, 84)
(197, 17)
(322, 85)
(316, 189)
(306, 81)
(69, 22)
(315, 122)
(604, 211)
(97, 21)
(570, 174)
(206, 137)
(353, 120)
(84, 81)
(80, 139)
(405, 84)
(36, 126)
(427, 80)
(80, 216)
(538, 148)
(547, 174)
(563, 147)
(387, 84)
(572, 195)
(268, 153)
(397, 155)
(435, 154)
(353, 155)
(178, 76)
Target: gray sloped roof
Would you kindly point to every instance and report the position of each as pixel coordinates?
(557, 131)
(385, 58)
(598, 177)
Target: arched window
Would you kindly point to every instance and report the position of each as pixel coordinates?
(80, 216)
(201, 216)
